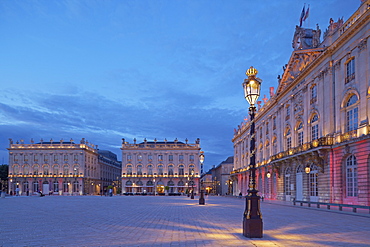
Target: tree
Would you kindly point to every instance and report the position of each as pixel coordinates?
(4, 169)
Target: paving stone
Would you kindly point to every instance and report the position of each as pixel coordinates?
(170, 221)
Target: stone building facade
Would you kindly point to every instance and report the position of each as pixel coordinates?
(55, 168)
(149, 167)
(312, 135)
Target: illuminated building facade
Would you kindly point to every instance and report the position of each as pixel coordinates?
(55, 168)
(312, 135)
(160, 167)
(110, 171)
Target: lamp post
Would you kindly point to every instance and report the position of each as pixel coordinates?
(192, 185)
(252, 219)
(201, 198)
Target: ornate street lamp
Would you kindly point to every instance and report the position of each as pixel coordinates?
(192, 185)
(252, 219)
(201, 198)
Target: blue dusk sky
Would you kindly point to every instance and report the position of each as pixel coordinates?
(107, 70)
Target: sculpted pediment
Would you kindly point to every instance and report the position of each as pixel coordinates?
(298, 62)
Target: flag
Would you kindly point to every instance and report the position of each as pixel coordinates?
(302, 16)
(307, 13)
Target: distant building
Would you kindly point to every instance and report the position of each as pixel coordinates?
(56, 167)
(217, 180)
(110, 171)
(222, 177)
(149, 167)
(312, 135)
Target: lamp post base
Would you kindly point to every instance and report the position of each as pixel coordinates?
(252, 219)
(202, 201)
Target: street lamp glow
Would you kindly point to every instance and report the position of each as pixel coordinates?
(252, 86)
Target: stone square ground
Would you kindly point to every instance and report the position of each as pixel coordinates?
(170, 221)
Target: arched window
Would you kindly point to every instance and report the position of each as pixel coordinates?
(191, 170)
(288, 138)
(75, 171)
(129, 169)
(274, 145)
(351, 176)
(36, 169)
(26, 169)
(314, 127)
(46, 170)
(170, 170)
(160, 169)
(287, 182)
(150, 169)
(181, 170)
(16, 169)
(65, 169)
(352, 113)
(267, 149)
(300, 134)
(56, 169)
(139, 169)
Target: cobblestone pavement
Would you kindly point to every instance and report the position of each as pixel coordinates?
(169, 221)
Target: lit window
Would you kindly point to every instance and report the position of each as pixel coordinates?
(300, 134)
(287, 182)
(288, 139)
(314, 128)
(181, 170)
(352, 113)
(160, 157)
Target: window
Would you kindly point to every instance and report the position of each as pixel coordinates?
(46, 170)
(55, 170)
(287, 112)
(129, 169)
(267, 150)
(46, 158)
(287, 182)
(139, 170)
(35, 170)
(150, 169)
(313, 94)
(26, 158)
(160, 169)
(351, 176)
(313, 178)
(191, 157)
(35, 158)
(181, 170)
(267, 128)
(65, 170)
(288, 138)
(76, 186)
(76, 157)
(300, 134)
(35, 187)
(350, 75)
(160, 157)
(170, 170)
(274, 123)
(181, 157)
(55, 158)
(191, 170)
(170, 157)
(314, 127)
(26, 170)
(150, 157)
(274, 146)
(56, 186)
(352, 113)
(65, 157)
(75, 170)
(65, 187)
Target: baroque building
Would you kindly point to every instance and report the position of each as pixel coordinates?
(160, 167)
(59, 168)
(312, 135)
